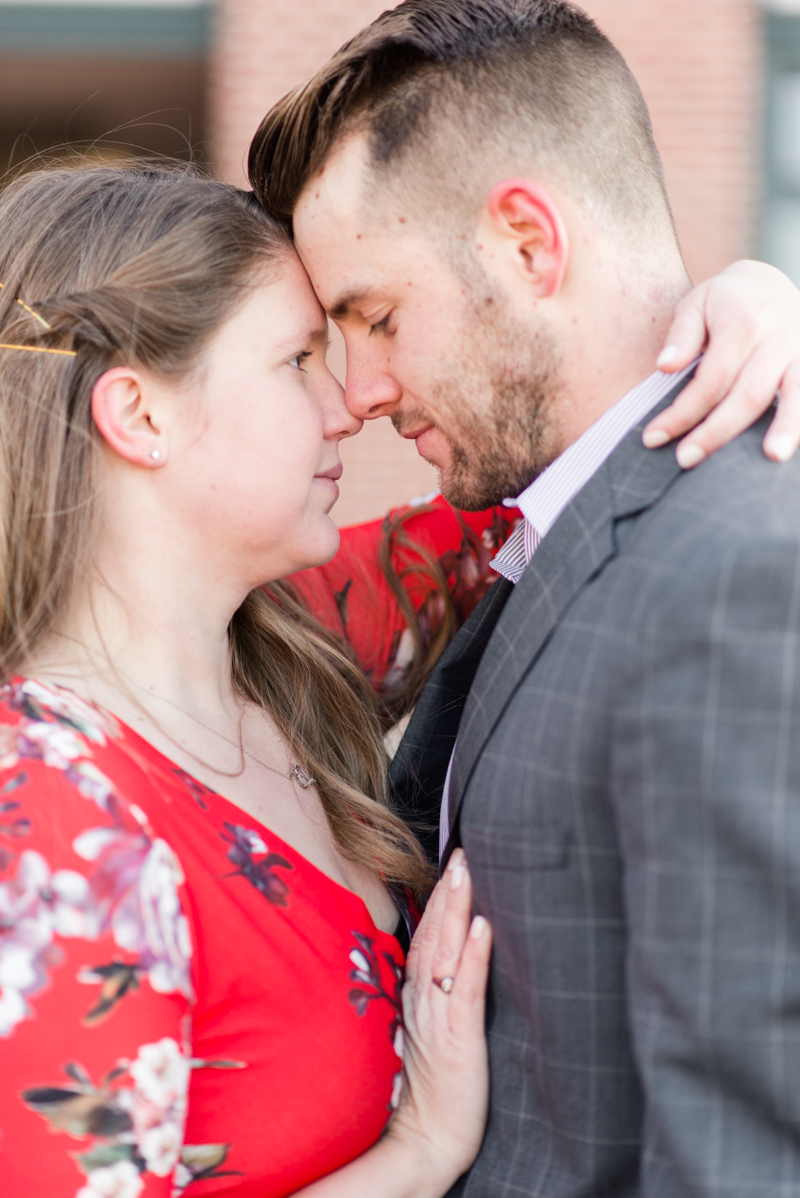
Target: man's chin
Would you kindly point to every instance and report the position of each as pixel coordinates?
(468, 495)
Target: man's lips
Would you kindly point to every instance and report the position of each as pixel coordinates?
(412, 431)
(425, 442)
(422, 434)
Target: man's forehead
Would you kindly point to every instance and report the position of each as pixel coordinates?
(336, 192)
(342, 284)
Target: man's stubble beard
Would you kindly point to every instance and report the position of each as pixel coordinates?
(497, 448)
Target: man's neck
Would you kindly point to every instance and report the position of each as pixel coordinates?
(611, 345)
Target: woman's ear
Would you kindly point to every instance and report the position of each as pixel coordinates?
(122, 411)
(528, 218)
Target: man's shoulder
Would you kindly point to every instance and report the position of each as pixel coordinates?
(734, 518)
(735, 496)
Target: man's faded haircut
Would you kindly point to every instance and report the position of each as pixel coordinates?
(454, 95)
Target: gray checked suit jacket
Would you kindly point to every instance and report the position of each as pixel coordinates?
(627, 790)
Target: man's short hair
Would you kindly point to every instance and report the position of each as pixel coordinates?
(454, 95)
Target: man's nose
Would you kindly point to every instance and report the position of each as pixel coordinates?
(370, 391)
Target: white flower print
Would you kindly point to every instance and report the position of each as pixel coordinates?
(158, 926)
(398, 1043)
(13, 1009)
(55, 745)
(160, 1148)
(55, 728)
(90, 721)
(254, 842)
(366, 972)
(161, 1073)
(158, 1103)
(120, 1180)
(181, 1179)
(142, 1105)
(397, 1090)
(132, 889)
(92, 783)
(34, 906)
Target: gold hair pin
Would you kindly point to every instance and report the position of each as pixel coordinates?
(40, 349)
(37, 349)
(31, 312)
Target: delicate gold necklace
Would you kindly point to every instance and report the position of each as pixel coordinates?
(296, 772)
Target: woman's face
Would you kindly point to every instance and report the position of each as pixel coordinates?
(252, 475)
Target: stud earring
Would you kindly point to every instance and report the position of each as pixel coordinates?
(155, 454)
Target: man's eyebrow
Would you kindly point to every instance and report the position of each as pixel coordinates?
(342, 306)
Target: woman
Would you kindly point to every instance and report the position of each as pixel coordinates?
(200, 876)
(170, 436)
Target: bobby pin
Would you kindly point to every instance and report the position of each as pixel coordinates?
(35, 316)
(40, 349)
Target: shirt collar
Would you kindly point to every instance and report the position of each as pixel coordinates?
(545, 499)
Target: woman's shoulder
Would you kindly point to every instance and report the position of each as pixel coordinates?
(76, 790)
(74, 824)
(50, 738)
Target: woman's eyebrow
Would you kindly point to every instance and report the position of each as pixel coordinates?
(316, 336)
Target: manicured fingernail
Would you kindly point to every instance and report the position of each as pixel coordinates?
(689, 455)
(667, 356)
(478, 928)
(457, 877)
(457, 858)
(780, 447)
(654, 438)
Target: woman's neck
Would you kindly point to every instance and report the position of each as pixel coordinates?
(153, 615)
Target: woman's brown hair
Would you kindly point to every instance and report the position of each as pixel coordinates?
(142, 264)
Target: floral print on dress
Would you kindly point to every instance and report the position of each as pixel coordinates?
(131, 888)
(135, 1118)
(93, 900)
(253, 860)
(367, 972)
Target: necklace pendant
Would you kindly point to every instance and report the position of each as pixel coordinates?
(299, 775)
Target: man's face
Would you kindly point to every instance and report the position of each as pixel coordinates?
(451, 362)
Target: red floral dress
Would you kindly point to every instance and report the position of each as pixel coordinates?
(186, 1003)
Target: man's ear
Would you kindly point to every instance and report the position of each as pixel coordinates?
(527, 216)
(122, 412)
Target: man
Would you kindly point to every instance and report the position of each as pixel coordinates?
(476, 194)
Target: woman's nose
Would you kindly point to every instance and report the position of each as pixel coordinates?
(338, 421)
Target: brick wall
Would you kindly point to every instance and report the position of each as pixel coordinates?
(699, 65)
(262, 48)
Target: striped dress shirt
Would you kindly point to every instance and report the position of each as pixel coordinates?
(545, 499)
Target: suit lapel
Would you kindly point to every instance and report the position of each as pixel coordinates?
(418, 771)
(577, 547)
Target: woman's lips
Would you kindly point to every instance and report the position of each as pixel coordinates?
(330, 484)
(328, 479)
(334, 472)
